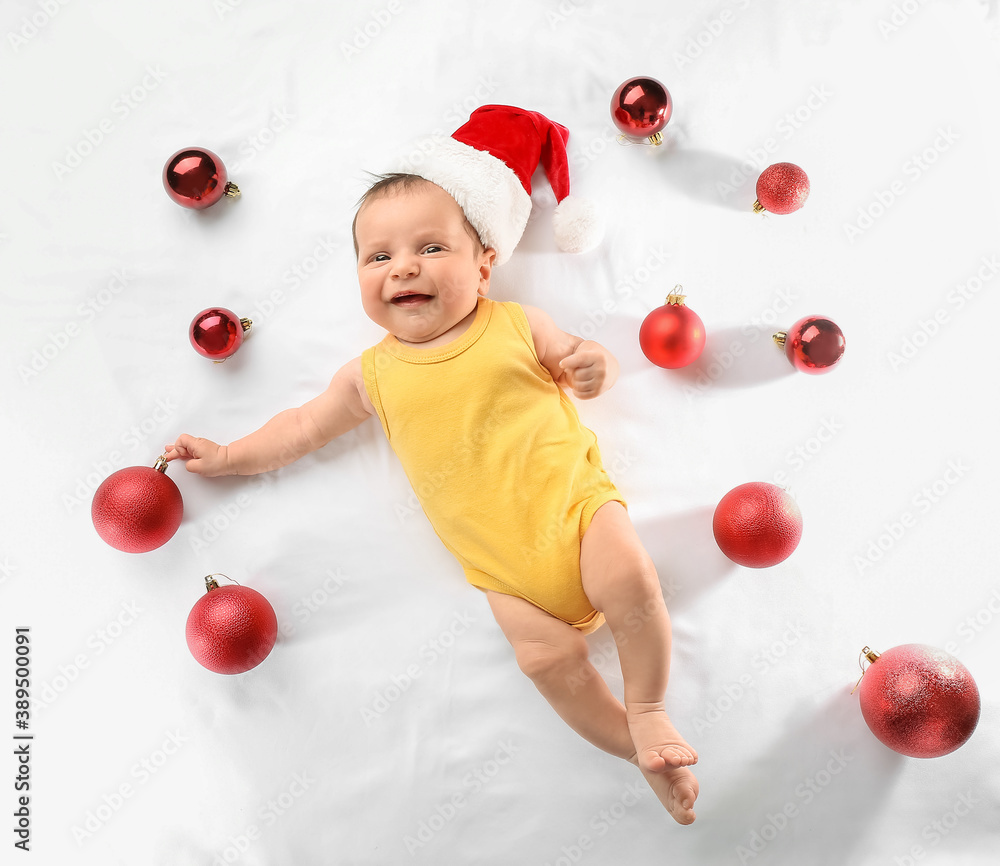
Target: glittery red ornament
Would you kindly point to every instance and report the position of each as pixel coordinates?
(814, 344)
(641, 107)
(231, 628)
(196, 178)
(781, 188)
(217, 332)
(757, 524)
(673, 335)
(137, 509)
(918, 700)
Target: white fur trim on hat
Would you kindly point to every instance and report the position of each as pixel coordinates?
(578, 225)
(486, 189)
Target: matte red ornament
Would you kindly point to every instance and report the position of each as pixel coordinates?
(641, 107)
(814, 344)
(919, 700)
(673, 335)
(196, 178)
(231, 628)
(757, 524)
(781, 188)
(217, 333)
(137, 509)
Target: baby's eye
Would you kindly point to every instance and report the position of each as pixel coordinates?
(380, 257)
(433, 248)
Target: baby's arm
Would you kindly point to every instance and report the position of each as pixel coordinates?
(288, 436)
(583, 366)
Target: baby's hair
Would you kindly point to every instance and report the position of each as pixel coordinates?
(398, 182)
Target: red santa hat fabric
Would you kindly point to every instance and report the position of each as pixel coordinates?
(487, 165)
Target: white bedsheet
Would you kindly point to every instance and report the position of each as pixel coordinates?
(390, 723)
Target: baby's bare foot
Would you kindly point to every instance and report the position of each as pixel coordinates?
(658, 744)
(676, 788)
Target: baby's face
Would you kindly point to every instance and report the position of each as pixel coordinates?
(421, 274)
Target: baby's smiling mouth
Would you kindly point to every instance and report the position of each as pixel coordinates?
(409, 299)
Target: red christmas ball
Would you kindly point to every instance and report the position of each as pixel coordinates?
(217, 333)
(673, 335)
(757, 524)
(918, 700)
(231, 628)
(814, 344)
(781, 188)
(641, 107)
(137, 509)
(196, 178)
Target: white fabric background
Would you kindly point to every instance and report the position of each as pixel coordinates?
(390, 724)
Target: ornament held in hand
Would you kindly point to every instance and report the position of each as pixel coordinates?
(137, 509)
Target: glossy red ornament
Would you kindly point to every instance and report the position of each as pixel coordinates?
(641, 107)
(781, 188)
(673, 335)
(919, 700)
(231, 628)
(137, 509)
(196, 178)
(757, 524)
(814, 344)
(217, 333)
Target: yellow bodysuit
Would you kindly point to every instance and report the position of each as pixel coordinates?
(498, 458)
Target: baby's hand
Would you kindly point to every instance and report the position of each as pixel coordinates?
(590, 370)
(203, 456)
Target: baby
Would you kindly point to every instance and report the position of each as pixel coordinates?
(470, 394)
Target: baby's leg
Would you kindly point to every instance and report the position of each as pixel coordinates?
(555, 657)
(620, 580)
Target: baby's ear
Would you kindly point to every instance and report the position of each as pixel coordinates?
(486, 261)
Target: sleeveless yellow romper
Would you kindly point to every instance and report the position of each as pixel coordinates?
(498, 457)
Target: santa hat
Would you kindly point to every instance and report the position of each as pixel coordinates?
(486, 166)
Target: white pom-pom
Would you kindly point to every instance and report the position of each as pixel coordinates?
(578, 225)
